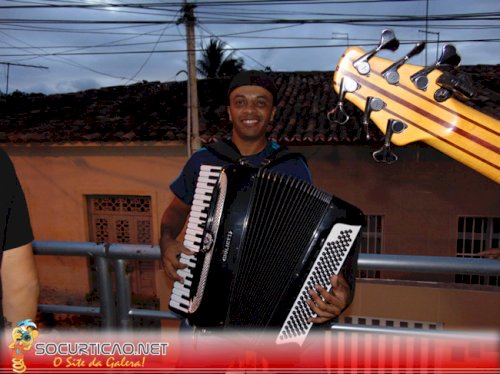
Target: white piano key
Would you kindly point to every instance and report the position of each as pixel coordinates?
(201, 200)
(178, 306)
(198, 214)
(197, 220)
(209, 181)
(202, 189)
(189, 262)
(210, 168)
(202, 193)
(185, 273)
(182, 292)
(195, 226)
(179, 299)
(206, 185)
(194, 231)
(193, 239)
(210, 174)
(199, 208)
(191, 246)
(180, 286)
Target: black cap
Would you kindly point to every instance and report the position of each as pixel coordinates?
(254, 78)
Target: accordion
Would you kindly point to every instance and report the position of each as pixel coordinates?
(261, 240)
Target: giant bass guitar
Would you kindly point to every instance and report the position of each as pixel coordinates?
(409, 103)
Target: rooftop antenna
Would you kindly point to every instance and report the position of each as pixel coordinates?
(22, 65)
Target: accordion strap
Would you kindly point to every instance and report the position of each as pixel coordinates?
(226, 150)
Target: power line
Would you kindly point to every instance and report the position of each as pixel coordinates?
(495, 16)
(183, 50)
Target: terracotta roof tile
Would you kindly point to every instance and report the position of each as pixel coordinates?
(154, 111)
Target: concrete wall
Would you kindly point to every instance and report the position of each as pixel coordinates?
(453, 308)
(420, 197)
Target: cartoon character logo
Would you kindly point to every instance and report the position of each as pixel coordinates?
(23, 336)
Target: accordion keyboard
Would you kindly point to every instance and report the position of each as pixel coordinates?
(328, 262)
(207, 179)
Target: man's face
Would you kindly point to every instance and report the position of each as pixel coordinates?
(250, 110)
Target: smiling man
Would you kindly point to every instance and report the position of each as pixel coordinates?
(252, 99)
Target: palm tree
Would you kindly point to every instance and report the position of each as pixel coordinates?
(216, 63)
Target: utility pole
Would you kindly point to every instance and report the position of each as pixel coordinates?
(193, 133)
(22, 65)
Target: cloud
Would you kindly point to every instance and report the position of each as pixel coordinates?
(75, 85)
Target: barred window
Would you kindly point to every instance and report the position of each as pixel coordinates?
(124, 219)
(371, 242)
(477, 234)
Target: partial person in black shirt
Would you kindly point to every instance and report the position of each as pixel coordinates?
(19, 277)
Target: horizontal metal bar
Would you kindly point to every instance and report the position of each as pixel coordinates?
(134, 251)
(429, 264)
(69, 309)
(410, 263)
(150, 313)
(59, 248)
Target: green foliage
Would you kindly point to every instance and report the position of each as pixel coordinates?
(215, 62)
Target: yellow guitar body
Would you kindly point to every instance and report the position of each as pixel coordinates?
(452, 127)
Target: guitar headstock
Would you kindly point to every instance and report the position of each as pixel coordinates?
(403, 100)
(410, 103)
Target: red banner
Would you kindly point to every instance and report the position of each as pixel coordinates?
(329, 352)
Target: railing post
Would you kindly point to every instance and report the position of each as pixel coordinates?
(105, 285)
(123, 300)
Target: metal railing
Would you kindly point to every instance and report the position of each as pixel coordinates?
(116, 311)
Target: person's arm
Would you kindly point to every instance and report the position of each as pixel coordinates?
(172, 222)
(20, 287)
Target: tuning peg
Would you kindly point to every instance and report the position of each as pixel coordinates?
(388, 41)
(449, 57)
(338, 114)
(385, 154)
(372, 104)
(391, 74)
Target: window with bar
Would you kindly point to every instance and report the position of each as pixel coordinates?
(477, 234)
(371, 242)
(125, 219)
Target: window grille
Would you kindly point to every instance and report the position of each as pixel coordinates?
(125, 219)
(477, 234)
(376, 321)
(371, 242)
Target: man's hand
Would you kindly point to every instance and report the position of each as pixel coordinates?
(330, 304)
(493, 253)
(170, 254)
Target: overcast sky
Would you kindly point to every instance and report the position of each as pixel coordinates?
(102, 44)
